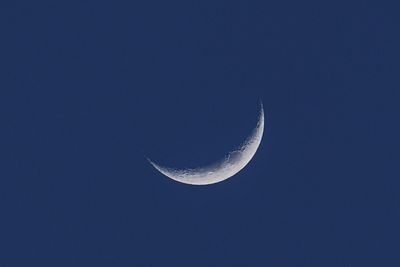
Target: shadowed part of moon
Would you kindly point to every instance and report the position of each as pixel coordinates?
(229, 166)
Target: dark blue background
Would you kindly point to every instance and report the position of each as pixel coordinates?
(89, 89)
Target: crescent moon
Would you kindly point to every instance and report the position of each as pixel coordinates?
(234, 162)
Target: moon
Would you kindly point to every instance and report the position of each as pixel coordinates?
(234, 162)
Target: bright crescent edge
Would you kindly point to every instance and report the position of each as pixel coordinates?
(224, 170)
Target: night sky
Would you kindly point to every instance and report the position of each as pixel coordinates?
(90, 89)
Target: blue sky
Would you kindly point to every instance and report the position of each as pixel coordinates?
(90, 89)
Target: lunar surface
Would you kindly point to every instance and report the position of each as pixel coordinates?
(220, 171)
